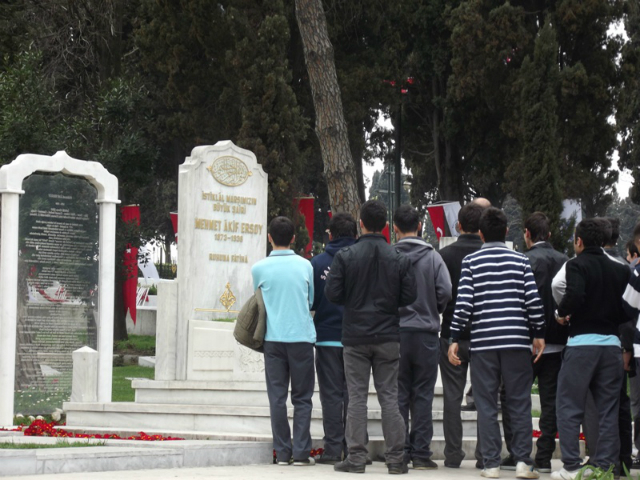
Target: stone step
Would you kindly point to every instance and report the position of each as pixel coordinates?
(237, 393)
(245, 420)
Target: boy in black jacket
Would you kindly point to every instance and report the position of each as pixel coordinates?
(329, 361)
(372, 280)
(592, 360)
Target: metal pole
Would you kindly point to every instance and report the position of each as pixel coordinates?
(398, 159)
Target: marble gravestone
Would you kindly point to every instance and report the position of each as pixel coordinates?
(222, 227)
(56, 277)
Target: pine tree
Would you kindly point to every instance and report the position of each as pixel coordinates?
(535, 175)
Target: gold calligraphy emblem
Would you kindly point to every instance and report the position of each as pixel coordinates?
(228, 298)
(229, 171)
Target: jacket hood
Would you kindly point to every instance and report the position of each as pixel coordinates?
(413, 247)
(339, 243)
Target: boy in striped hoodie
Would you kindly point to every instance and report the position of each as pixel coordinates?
(498, 295)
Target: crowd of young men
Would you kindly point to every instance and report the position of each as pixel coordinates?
(511, 317)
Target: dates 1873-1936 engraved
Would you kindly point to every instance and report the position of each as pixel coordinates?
(229, 171)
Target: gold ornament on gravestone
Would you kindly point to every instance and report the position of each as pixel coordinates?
(174, 268)
(228, 298)
(229, 171)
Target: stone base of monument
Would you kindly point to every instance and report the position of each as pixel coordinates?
(230, 410)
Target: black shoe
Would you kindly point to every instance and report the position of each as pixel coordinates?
(397, 468)
(471, 407)
(636, 463)
(509, 463)
(451, 465)
(426, 464)
(543, 466)
(325, 459)
(347, 466)
(369, 461)
(479, 464)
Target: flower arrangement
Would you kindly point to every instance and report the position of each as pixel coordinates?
(538, 433)
(316, 452)
(42, 428)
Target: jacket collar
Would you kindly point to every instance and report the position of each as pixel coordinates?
(494, 244)
(372, 237)
(593, 251)
(469, 238)
(546, 245)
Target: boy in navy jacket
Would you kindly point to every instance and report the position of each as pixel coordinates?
(329, 361)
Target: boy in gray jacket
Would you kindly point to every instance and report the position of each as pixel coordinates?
(419, 345)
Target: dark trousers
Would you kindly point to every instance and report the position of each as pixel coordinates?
(333, 397)
(591, 428)
(546, 370)
(284, 362)
(513, 367)
(634, 384)
(597, 370)
(454, 381)
(383, 360)
(417, 376)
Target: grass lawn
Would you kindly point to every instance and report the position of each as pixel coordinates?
(122, 391)
(27, 446)
(136, 345)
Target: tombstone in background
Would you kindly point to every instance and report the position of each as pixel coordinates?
(222, 222)
(56, 276)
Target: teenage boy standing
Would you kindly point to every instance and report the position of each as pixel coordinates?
(592, 360)
(419, 327)
(329, 352)
(286, 280)
(372, 280)
(498, 294)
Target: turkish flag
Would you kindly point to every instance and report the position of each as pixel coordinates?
(131, 217)
(305, 207)
(385, 232)
(436, 212)
(174, 223)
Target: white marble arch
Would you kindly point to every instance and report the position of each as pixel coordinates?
(11, 178)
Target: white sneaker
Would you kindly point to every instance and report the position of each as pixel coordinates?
(526, 471)
(490, 472)
(304, 463)
(563, 474)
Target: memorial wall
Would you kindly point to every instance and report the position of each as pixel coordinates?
(57, 286)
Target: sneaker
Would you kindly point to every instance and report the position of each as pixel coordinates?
(307, 462)
(426, 464)
(284, 462)
(564, 474)
(526, 471)
(347, 466)
(636, 463)
(325, 459)
(509, 463)
(543, 466)
(490, 472)
(397, 468)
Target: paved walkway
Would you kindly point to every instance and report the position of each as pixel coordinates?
(268, 472)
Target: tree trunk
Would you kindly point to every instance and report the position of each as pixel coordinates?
(331, 128)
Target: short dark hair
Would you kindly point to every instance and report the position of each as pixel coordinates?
(373, 214)
(538, 225)
(343, 225)
(469, 217)
(633, 248)
(493, 225)
(615, 231)
(406, 218)
(281, 230)
(592, 231)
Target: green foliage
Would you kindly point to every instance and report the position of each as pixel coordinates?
(535, 175)
(122, 391)
(30, 119)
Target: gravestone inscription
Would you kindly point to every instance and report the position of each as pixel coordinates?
(57, 287)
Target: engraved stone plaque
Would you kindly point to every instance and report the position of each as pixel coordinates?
(57, 287)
